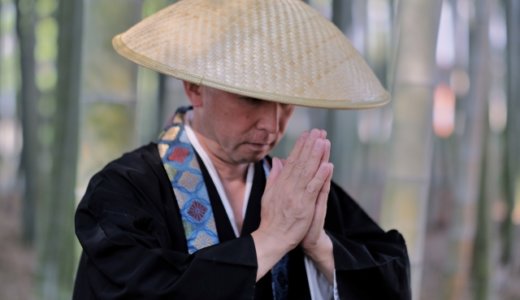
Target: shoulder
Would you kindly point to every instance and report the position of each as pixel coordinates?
(344, 212)
(141, 163)
(134, 178)
(141, 160)
(339, 198)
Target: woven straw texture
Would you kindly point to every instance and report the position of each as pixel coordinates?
(276, 50)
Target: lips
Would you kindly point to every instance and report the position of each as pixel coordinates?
(261, 142)
(268, 142)
(259, 146)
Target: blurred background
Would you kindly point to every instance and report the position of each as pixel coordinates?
(440, 163)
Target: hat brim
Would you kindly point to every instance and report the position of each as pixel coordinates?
(275, 50)
(123, 50)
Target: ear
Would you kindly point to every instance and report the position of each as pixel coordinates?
(194, 93)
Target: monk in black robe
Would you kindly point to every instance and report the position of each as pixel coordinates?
(204, 212)
(129, 223)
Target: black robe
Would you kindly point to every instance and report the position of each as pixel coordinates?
(134, 246)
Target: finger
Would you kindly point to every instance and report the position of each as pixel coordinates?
(314, 136)
(321, 205)
(298, 146)
(326, 154)
(304, 160)
(318, 219)
(309, 164)
(294, 164)
(323, 134)
(319, 180)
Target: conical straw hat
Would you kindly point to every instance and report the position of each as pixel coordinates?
(276, 50)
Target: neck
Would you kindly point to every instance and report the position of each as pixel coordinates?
(227, 171)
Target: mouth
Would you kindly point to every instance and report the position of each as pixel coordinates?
(259, 146)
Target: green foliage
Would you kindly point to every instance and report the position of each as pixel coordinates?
(46, 77)
(47, 106)
(107, 129)
(46, 51)
(8, 63)
(46, 7)
(107, 122)
(47, 35)
(104, 69)
(7, 19)
(152, 6)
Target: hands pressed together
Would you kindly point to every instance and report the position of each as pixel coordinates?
(294, 206)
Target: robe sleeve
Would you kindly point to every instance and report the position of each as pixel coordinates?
(370, 263)
(122, 225)
(319, 286)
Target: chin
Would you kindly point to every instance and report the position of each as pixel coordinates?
(249, 153)
(253, 157)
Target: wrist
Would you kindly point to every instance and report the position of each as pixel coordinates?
(269, 250)
(270, 243)
(320, 249)
(322, 254)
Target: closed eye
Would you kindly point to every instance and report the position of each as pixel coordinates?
(251, 100)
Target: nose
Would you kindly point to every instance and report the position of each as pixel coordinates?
(269, 116)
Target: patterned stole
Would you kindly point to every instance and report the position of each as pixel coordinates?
(182, 167)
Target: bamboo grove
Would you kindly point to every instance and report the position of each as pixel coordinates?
(440, 163)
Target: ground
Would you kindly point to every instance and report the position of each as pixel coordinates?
(17, 262)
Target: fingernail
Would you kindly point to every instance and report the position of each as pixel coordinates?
(327, 142)
(318, 144)
(315, 132)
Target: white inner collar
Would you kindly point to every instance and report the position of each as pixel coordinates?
(216, 178)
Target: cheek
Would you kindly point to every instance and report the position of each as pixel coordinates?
(229, 136)
(284, 118)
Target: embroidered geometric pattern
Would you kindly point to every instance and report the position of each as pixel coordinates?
(183, 170)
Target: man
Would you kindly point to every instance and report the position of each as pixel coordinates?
(204, 212)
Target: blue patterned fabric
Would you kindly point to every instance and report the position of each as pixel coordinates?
(280, 279)
(180, 163)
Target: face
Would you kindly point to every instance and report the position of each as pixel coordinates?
(236, 129)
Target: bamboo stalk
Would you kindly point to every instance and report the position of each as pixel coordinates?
(470, 156)
(410, 151)
(56, 254)
(28, 98)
